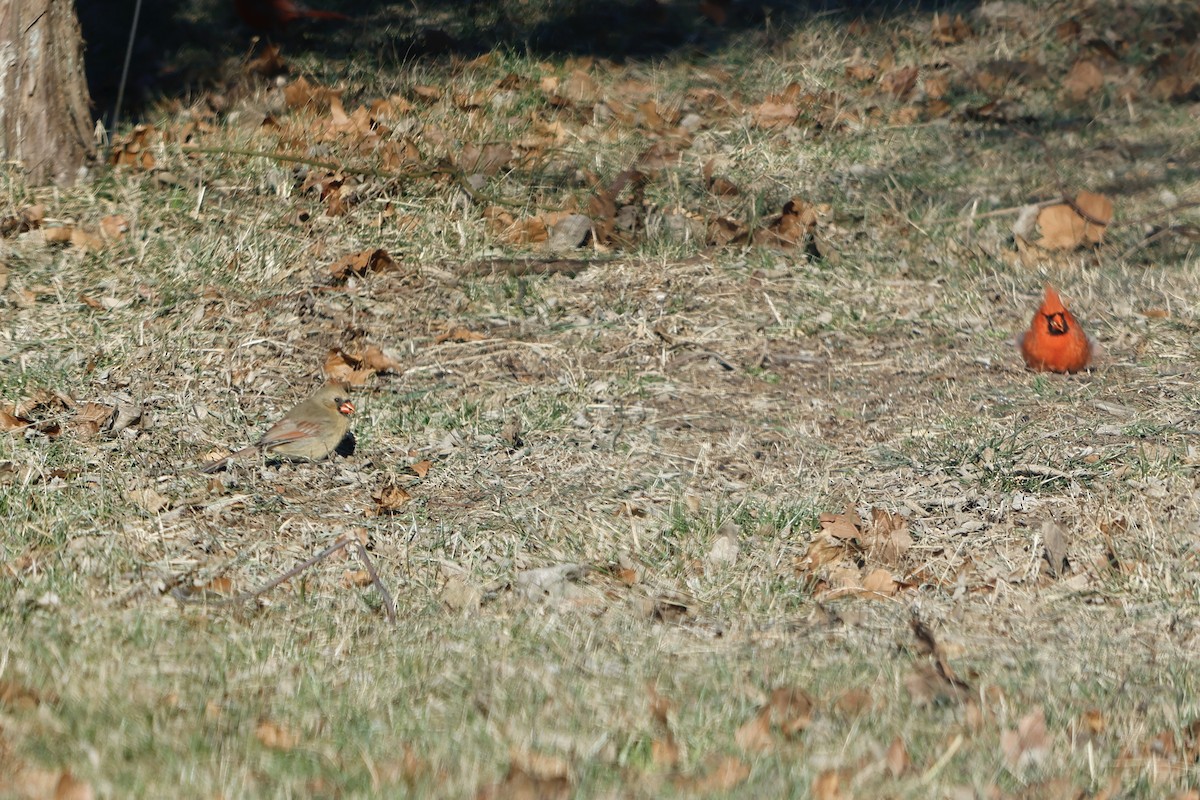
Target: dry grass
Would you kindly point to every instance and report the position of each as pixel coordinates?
(663, 400)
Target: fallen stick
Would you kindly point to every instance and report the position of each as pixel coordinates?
(389, 606)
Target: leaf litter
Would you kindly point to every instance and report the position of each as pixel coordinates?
(819, 413)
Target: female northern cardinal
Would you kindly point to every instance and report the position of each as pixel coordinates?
(309, 432)
(271, 15)
(1055, 341)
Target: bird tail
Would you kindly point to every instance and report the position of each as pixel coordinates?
(221, 463)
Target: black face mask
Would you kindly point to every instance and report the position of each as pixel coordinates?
(1056, 323)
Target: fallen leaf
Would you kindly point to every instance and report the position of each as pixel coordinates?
(880, 582)
(1029, 744)
(1064, 228)
(361, 263)
(723, 774)
(899, 83)
(114, 226)
(950, 31)
(17, 697)
(421, 468)
(11, 422)
(148, 500)
(1084, 80)
(827, 785)
(888, 539)
(71, 788)
(390, 499)
(664, 750)
(274, 736)
(356, 578)
(340, 366)
(375, 359)
(461, 335)
(897, 760)
(854, 702)
(90, 418)
(771, 114)
(484, 160)
(530, 781)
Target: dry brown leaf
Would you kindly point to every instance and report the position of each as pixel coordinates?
(846, 526)
(341, 366)
(854, 702)
(29, 218)
(391, 498)
(950, 31)
(11, 422)
(373, 358)
(755, 733)
(361, 263)
(460, 334)
(722, 775)
(18, 697)
(888, 540)
(897, 760)
(793, 227)
(421, 468)
(899, 83)
(664, 750)
(148, 500)
(771, 114)
(356, 578)
(578, 88)
(69, 787)
(90, 418)
(1099, 212)
(134, 150)
(1084, 80)
(223, 586)
(487, 159)
(1029, 744)
(522, 782)
(274, 736)
(861, 71)
(1063, 228)
(880, 582)
(827, 785)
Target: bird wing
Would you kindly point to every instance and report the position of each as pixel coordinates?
(287, 430)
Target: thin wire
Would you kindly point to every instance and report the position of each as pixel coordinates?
(137, 12)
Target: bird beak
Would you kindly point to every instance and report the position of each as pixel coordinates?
(346, 408)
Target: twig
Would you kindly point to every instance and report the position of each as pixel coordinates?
(516, 267)
(997, 212)
(389, 607)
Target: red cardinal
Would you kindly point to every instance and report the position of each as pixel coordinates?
(1055, 342)
(272, 15)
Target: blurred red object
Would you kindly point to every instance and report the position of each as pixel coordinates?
(273, 15)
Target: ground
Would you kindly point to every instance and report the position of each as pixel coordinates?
(739, 494)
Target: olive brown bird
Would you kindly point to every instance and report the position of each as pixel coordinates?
(309, 432)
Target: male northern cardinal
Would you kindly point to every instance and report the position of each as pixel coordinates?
(275, 15)
(1055, 341)
(309, 432)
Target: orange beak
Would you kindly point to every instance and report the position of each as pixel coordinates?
(346, 408)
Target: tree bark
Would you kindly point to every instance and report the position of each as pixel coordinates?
(45, 111)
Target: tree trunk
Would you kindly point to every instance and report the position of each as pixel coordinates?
(45, 114)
